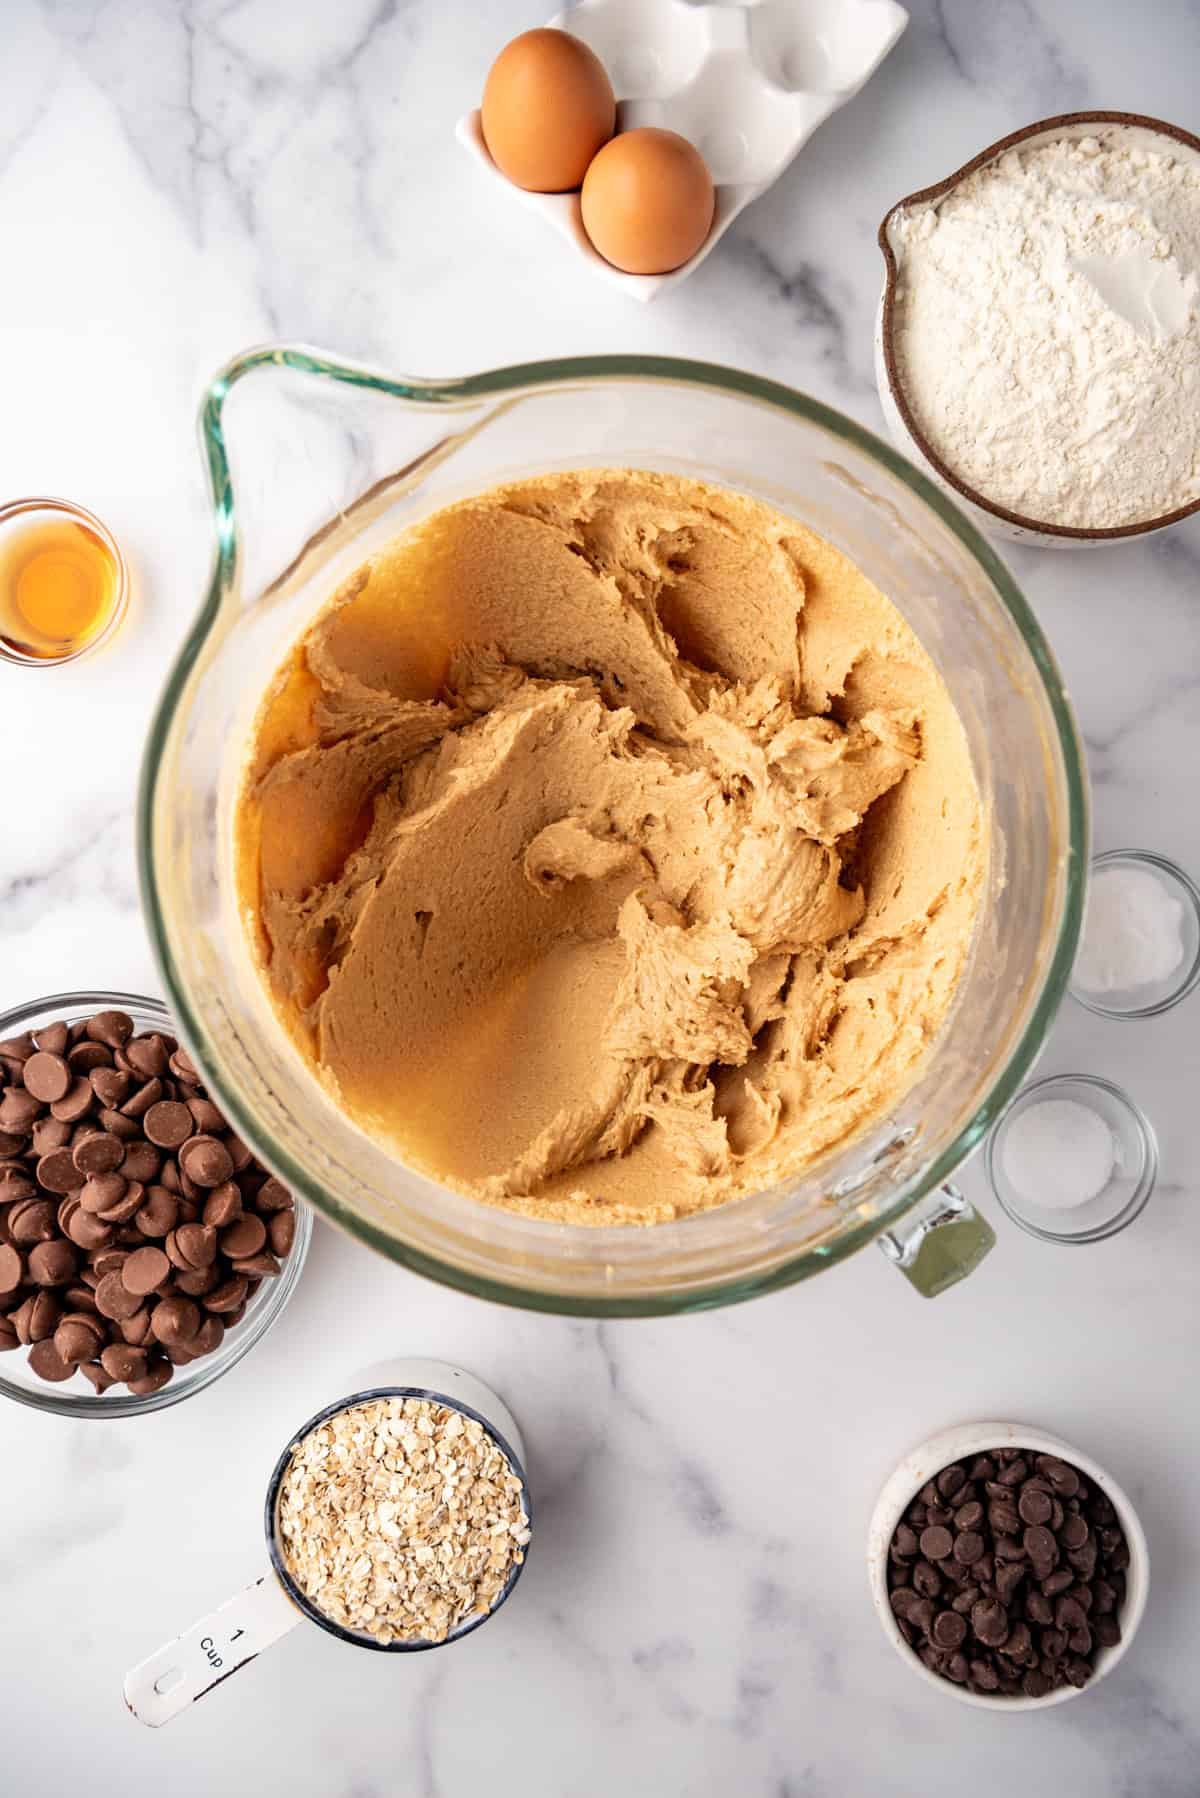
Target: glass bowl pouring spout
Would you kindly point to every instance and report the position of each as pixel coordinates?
(316, 464)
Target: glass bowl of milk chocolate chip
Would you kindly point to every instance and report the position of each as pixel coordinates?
(143, 1250)
(1008, 1569)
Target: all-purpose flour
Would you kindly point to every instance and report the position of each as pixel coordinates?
(1048, 329)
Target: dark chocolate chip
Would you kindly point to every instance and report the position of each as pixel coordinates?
(920, 1615)
(949, 1481)
(1013, 1472)
(1040, 1544)
(1034, 1505)
(1002, 1515)
(1008, 1578)
(949, 1629)
(989, 1620)
(1064, 1479)
(1038, 1608)
(1074, 1532)
(968, 1547)
(926, 1580)
(1018, 1642)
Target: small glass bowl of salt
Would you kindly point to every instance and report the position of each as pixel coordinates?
(1073, 1159)
(1140, 951)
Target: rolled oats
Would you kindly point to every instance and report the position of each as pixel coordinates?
(401, 1519)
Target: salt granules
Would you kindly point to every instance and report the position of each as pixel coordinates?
(1058, 1154)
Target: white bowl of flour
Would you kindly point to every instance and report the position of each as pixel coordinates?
(1038, 335)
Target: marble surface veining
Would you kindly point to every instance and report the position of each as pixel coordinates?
(179, 178)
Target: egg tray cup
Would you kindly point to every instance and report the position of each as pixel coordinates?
(747, 85)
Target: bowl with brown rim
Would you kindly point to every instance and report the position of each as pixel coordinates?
(898, 411)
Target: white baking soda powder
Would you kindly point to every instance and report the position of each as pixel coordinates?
(1058, 1154)
(1133, 934)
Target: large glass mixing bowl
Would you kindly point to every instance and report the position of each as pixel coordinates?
(314, 464)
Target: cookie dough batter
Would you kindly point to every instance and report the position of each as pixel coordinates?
(612, 846)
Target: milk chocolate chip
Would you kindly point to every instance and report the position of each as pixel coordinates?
(47, 1077)
(143, 1270)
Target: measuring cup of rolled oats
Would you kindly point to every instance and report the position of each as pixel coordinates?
(397, 1519)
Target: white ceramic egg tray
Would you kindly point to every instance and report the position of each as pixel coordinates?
(747, 84)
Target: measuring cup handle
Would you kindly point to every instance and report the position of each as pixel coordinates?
(939, 1242)
(183, 1670)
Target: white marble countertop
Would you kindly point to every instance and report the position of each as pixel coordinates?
(179, 178)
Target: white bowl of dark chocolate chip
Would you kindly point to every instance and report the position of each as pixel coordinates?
(1007, 1568)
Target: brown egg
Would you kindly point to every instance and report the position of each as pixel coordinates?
(548, 106)
(648, 201)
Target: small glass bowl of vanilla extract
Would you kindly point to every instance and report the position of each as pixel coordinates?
(64, 588)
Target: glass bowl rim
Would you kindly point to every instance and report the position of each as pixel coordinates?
(1112, 858)
(560, 373)
(242, 1340)
(1138, 1199)
(270, 1511)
